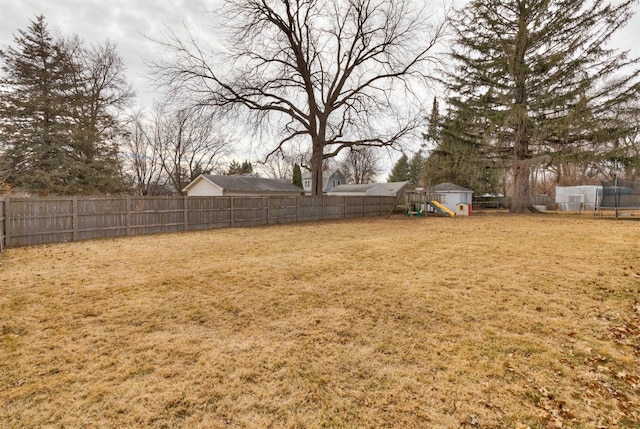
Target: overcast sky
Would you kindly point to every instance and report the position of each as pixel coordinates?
(127, 23)
(130, 24)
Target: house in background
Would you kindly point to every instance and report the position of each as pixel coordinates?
(207, 185)
(330, 179)
(392, 189)
(451, 195)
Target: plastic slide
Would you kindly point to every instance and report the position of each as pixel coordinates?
(441, 209)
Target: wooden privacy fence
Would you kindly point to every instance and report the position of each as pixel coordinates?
(1, 225)
(28, 221)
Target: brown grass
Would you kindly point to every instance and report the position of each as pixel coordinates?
(490, 321)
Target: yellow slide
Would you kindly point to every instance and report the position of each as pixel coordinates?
(442, 209)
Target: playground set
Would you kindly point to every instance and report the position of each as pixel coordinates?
(422, 201)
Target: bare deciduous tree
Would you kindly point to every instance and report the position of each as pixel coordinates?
(142, 157)
(187, 144)
(278, 167)
(361, 165)
(338, 74)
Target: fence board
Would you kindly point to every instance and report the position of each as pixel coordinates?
(1, 225)
(29, 221)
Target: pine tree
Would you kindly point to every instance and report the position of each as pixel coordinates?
(400, 171)
(433, 133)
(247, 167)
(235, 168)
(297, 176)
(462, 161)
(58, 110)
(416, 169)
(35, 123)
(534, 80)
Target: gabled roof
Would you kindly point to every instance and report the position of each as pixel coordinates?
(325, 173)
(353, 188)
(450, 187)
(371, 189)
(247, 183)
(393, 187)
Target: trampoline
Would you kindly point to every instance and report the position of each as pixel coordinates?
(620, 195)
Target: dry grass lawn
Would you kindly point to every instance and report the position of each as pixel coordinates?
(493, 321)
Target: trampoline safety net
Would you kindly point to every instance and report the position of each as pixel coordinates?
(620, 194)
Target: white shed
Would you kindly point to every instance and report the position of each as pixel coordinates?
(450, 195)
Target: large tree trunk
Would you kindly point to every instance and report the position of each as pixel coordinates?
(317, 156)
(521, 201)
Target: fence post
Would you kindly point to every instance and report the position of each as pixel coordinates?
(128, 215)
(7, 221)
(186, 212)
(74, 219)
(231, 212)
(2, 228)
(344, 207)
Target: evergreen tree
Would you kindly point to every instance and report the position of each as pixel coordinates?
(58, 110)
(35, 122)
(297, 176)
(463, 162)
(416, 169)
(400, 171)
(247, 167)
(433, 133)
(530, 80)
(235, 168)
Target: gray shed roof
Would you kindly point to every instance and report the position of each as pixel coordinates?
(250, 183)
(353, 188)
(450, 187)
(371, 189)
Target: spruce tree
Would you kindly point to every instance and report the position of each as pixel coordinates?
(537, 82)
(433, 132)
(462, 161)
(35, 124)
(297, 176)
(58, 114)
(247, 167)
(400, 171)
(416, 169)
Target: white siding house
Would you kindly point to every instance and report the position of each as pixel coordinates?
(330, 179)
